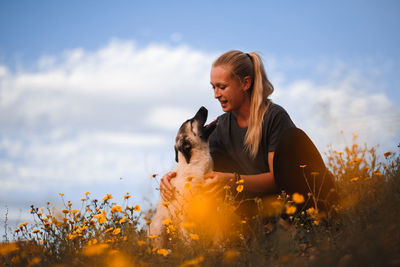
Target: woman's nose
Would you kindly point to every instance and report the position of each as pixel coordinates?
(217, 93)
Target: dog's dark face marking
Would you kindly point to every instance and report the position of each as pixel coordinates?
(192, 133)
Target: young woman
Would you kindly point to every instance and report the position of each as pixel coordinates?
(255, 136)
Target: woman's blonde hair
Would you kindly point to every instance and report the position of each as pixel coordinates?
(250, 64)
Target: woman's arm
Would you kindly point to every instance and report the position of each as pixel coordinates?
(263, 182)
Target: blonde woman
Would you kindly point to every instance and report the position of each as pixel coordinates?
(255, 139)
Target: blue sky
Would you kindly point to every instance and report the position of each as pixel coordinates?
(92, 92)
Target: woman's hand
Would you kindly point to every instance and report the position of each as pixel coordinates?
(166, 188)
(215, 181)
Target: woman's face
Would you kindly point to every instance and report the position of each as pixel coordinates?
(229, 91)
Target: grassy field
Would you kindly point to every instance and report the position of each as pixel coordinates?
(362, 230)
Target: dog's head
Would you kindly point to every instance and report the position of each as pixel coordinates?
(192, 134)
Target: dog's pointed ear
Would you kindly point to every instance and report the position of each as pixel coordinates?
(186, 148)
(201, 116)
(208, 129)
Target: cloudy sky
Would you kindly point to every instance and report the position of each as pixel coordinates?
(92, 93)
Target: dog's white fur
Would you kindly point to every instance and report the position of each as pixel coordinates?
(200, 163)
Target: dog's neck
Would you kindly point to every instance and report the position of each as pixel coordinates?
(200, 162)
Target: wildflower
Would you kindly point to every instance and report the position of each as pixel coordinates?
(127, 196)
(83, 199)
(125, 238)
(165, 204)
(154, 175)
(187, 186)
(141, 242)
(65, 211)
(122, 220)
(193, 262)
(74, 211)
(162, 251)
(188, 225)
(387, 154)
(303, 166)
(239, 188)
(166, 222)
(227, 187)
(354, 179)
(107, 197)
(148, 222)
(69, 203)
(109, 229)
(116, 231)
(116, 208)
(87, 193)
(153, 236)
(378, 173)
(189, 179)
(16, 230)
(71, 236)
(241, 181)
(290, 209)
(316, 222)
(61, 194)
(297, 198)
(243, 222)
(194, 236)
(136, 208)
(35, 231)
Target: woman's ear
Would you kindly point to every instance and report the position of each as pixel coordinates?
(247, 83)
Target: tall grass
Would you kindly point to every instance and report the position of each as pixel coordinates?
(360, 230)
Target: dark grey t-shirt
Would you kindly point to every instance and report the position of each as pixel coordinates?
(227, 142)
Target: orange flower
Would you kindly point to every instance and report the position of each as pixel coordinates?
(239, 188)
(136, 208)
(297, 198)
(194, 236)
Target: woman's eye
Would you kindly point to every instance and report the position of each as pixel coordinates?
(222, 87)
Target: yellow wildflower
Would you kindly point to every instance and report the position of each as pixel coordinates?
(35, 231)
(122, 220)
(16, 230)
(107, 197)
(83, 199)
(148, 222)
(136, 208)
(61, 194)
(243, 222)
(69, 203)
(227, 187)
(387, 154)
(354, 179)
(116, 231)
(162, 251)
(194, 236)
(74, 211)
(153, 236)
(116, 208)
(378, 173)
(193, 262)
(109, 229)
(65, 211)
(166, 221)
(127, 196)
(297, 198)
(239, 188)
(141, 242)
(303, 166)
(87, 193)
(187, 186)
(290, 209)
(241, 181)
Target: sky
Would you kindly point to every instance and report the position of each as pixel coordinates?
(92, 93)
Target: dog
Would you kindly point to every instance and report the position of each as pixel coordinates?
(193, 159)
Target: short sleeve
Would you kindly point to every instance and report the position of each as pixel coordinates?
(277, 125)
